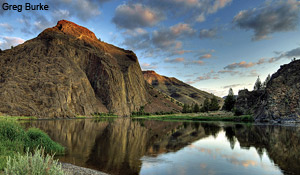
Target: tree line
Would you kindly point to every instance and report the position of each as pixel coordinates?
(208, 105)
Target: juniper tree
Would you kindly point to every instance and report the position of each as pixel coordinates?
(214, 104)
(229, 101)
(257, 85)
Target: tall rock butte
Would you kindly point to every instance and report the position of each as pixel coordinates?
(177, 89)
(66, 71)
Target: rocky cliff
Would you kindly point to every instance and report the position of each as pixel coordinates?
(279, 101)
(177, 89)
(246, 101)
(66, 71)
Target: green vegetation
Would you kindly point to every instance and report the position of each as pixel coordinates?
(36, 138)
(243, 118)
(97, 115)
(109, 114)
(14, 139)
(37, 163)
(17, 117)
(229, 101)
(257, 85)
(208, 105)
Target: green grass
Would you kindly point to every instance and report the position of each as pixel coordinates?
(17, 117)
(14, 139)
(243, 118)
(98, 115)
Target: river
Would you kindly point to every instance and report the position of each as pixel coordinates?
(126, 146)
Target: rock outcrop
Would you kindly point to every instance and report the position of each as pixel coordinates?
(281, 99)
(177, 89)
(246, 102)
(66, 71)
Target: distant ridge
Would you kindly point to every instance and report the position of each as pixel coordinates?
(177, 89)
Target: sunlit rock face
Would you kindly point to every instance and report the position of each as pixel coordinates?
(281, 101)
(66, 71)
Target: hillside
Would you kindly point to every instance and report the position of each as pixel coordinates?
(66, 71)
(177, 89)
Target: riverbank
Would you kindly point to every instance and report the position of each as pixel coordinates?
(71, 169)
(211, 116)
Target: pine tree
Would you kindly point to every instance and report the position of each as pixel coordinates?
(185, 108)
(196, 108)
(266, 81)
(229, 101)
(214, 104)
(206, 105)
(257, 85)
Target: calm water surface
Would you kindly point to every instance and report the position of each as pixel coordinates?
(125, 146)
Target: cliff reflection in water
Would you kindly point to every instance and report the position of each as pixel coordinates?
(121, 146)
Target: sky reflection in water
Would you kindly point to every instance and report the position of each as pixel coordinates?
(211, 155)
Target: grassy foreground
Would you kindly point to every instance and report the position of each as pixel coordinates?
(15, 140)
(200, 117)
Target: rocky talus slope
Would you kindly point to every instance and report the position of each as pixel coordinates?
(66, 71)
(177, 89)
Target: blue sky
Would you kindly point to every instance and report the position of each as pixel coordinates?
(210, 44)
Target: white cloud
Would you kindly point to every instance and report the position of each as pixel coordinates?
(6, 42)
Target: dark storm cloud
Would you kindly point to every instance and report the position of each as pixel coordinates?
(277, 16)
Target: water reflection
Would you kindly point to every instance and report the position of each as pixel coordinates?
(124, 146)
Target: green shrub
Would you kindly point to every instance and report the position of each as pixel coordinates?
(11, 130)
(33, 164)
(37, 138)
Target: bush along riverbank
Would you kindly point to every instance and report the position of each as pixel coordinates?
(19, 149)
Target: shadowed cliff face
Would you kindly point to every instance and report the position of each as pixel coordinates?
(66, 71)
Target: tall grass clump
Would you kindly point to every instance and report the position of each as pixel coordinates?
(36, 138)
(37, 163)
(14, 139)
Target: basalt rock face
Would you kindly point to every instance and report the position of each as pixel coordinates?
(67, 71)
(247, 101)
(281, 100)
(177, 89)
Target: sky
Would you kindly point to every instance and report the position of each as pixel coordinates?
(210, 44)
